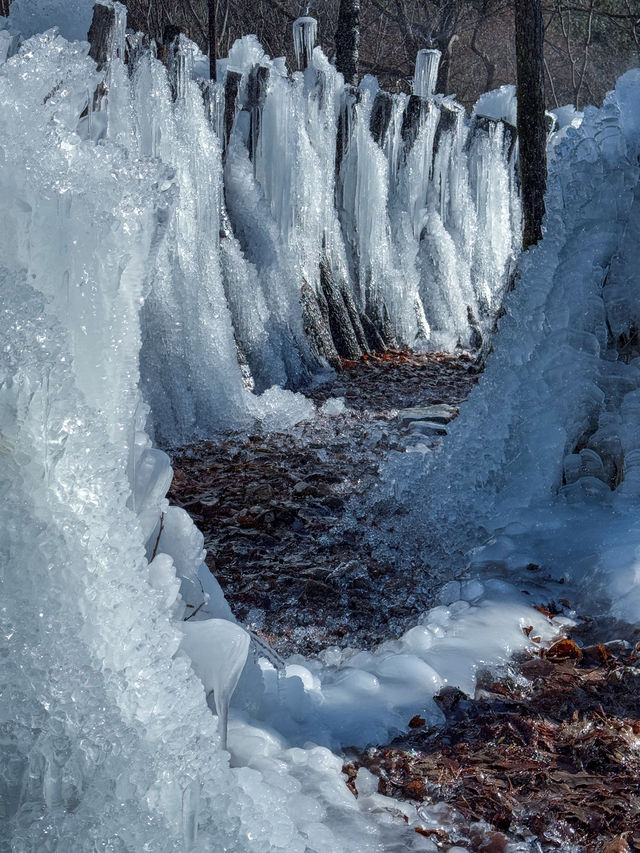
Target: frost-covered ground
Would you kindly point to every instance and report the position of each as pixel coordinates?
(106, 265)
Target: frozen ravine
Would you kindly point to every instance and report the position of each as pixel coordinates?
(107, 739)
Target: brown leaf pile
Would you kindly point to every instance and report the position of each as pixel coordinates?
(271, 508)
(557, 762)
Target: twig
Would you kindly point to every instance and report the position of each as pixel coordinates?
(155, 550)
(191, 615)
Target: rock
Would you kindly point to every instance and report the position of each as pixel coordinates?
(244, 518)
(305, 489)
(427, 427)
(493, 842)
(449, 697)
(439, 414)
(334, 503)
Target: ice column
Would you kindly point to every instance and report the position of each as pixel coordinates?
(426, 73)
(305, 33)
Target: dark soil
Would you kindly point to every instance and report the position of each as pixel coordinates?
(272, 509)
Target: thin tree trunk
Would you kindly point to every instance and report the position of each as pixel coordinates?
(4, 7)
(348, 40)
(213, 39)
(532, 132)
(489, 64)
(444, 69)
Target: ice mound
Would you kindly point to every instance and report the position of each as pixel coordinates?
(333, 406)
(499, 104)
(277, 408)
(549, 436)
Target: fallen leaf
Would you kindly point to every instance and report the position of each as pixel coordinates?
(415, 789)
(616, 845)
(564, 649)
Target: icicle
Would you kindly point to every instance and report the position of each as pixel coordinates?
(218, 651)
(119, 32)
(182, 65)
(426, 73)
(305, 33)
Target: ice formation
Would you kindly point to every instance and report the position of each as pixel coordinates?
(426, 73)
(349, 219)
(218, 651)
(305, 34)
(544, 453)
(111, 187)
(394, 217)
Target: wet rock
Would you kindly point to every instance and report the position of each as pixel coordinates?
(427, 428)
(439, 414)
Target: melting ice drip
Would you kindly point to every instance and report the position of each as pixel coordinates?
(305, 33)
(426, 72)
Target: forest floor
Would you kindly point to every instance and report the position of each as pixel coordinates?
(275, 514)
(544, 758)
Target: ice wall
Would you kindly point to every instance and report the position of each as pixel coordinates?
(107, 740)
(545, 448)
(395, 217)
(300, 221)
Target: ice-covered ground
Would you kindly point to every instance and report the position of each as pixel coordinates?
(107, 740)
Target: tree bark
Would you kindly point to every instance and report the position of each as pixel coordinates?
(348, 40)
(101, 34)
(213, 39)
(532, 134)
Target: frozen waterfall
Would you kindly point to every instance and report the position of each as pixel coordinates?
(301, 221)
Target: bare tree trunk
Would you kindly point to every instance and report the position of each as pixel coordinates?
(532, 132)
(444, 69)
(348, 40)
(213, 39)
(4, 7)
(101, 34)
(487, 61)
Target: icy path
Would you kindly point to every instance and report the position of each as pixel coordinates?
(482, 759)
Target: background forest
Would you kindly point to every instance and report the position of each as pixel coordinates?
(588, 43)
